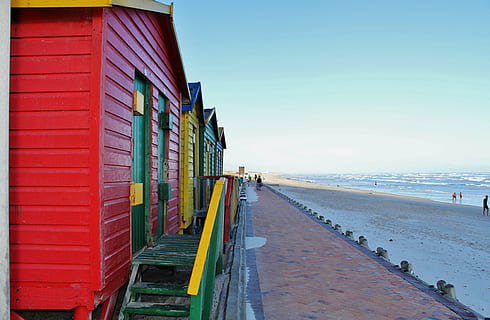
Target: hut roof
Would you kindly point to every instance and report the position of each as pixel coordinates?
(148, 5)
(165, 10)
(196, 96)
(221, 138)
(211, 120)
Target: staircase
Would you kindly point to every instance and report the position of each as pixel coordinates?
(159, 279)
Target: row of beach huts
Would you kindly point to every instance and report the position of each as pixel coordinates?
(107, 142)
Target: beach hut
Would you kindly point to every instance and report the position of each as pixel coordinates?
(192, 120)
(95, 107)
(209, 138)
(220, 148)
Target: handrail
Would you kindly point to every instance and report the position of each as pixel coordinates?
(205, 242)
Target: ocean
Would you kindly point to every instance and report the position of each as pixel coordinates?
(435, 186)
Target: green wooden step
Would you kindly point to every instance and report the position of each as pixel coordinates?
(170, 250)
(160, 288)
(157, 309)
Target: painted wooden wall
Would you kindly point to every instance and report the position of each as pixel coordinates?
(220, 150)
(209, 138)
(135, 41)
(190, 143)
(192, 118)
(54, 185)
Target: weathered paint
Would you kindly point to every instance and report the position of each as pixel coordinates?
(4, 160)
(72, 79)
(192, 117)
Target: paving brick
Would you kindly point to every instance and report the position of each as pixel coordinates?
(307, 271)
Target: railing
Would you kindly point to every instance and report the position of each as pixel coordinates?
(209, 256)
(205, 185)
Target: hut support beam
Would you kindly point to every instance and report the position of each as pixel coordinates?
(4, 166)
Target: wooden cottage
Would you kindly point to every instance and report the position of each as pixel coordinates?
(220, 148)
(96, 94)
(209, 138)
(192, 120)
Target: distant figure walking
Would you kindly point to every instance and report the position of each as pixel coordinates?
(460, 197)
(259, 183)
(485, 206)
(454, 197)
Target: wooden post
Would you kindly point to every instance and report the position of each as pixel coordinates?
(4, 166)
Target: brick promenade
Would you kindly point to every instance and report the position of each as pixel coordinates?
(306, 271)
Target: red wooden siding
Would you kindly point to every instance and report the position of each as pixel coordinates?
(52, 194)
(134, 41)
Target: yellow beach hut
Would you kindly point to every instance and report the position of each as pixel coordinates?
(192, 119)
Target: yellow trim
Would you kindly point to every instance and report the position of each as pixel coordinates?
(148, 5)
(202, 251)
(59, 3)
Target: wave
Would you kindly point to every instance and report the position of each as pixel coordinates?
(435, 186)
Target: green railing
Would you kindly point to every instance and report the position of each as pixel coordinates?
(209, 258)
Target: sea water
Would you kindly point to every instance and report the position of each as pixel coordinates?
(435, 186)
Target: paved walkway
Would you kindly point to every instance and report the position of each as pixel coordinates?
(306, 271)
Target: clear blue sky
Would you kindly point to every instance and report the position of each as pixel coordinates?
(344, 86)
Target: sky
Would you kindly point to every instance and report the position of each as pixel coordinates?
(344, 86)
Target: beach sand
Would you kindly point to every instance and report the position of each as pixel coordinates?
(443, 241)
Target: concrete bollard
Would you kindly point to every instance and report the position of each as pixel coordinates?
(380, 252)
(349, 234)
(363, 242)
(450, 290)
(440, 285)
(406, 267)
(338, 227)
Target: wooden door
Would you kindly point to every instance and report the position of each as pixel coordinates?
(140, 167)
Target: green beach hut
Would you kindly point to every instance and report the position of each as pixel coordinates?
(209, 138)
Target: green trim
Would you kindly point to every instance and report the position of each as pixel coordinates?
(147, 188)
(162, 175)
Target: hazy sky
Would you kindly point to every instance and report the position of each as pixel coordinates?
(344, 86)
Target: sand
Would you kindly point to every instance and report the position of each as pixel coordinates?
(443, 241)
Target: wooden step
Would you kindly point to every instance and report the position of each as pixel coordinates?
(171, 250)
(157, 309)
(160, 288)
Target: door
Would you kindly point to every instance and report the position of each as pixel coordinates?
(140, 167)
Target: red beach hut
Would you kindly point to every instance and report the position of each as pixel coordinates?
(96, 94)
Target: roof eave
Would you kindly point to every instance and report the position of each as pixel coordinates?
(148, 5)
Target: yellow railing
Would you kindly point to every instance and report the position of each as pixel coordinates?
(209, 256)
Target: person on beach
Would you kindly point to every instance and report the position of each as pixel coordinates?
(485, 206)
(454, 196)
(259, 183)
